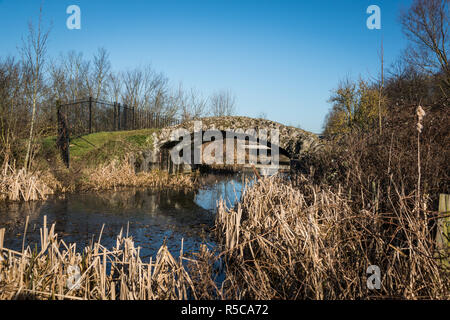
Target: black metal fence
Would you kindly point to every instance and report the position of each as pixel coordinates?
(82, 117)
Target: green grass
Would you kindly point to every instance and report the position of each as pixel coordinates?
(99, 147)
(79, 147)
(48, 145)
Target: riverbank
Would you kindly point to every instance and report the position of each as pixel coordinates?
(99, 161)
(22, 185)
(180, 221)
(285, 239)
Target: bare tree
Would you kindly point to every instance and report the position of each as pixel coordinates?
(102, 67)
(77, 73)
(57, 81)
(12, 106)
(197, 104)
(222, 103)
(426, 25)
(191, 104)
(115, 86)
(132, 80)
(34, 52)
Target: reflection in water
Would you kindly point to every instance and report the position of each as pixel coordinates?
(149, 216)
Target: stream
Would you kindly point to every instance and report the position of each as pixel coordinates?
(150, 217)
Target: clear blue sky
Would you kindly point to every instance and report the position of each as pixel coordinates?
(278, 57)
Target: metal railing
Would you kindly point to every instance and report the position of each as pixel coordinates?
(85, 116)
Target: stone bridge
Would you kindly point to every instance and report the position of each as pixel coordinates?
(292, 142)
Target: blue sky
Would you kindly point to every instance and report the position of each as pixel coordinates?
(281, 58)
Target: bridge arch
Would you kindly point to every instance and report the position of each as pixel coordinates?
(292, 142)
(254, 150)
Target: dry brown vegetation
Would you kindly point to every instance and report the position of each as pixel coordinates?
(307, 242)
(369, 198)
(122, 174)
(372, 163)
(48, 273)
(23, 185)
(283, 241)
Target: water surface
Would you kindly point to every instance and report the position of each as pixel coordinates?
(150, 217)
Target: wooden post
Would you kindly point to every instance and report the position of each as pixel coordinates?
(443, 229)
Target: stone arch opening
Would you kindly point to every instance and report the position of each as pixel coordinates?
(263, 148)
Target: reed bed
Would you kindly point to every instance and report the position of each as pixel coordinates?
(122, 174)
(280, 242)
(308, 242)
(23, 185)
(58, 271)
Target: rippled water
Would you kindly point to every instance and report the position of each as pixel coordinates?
(150, 217)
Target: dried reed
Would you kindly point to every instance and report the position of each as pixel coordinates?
(113, 274)
(280, 242)
(283, 242)
(122, 174)
(17, 185)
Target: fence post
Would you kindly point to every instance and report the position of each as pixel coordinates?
(63, 140)
(443, 229)
(115, 116)
(90, 114)
(118, 117)
(125, 120)
(134, 122)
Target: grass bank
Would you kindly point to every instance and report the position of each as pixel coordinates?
(98, 161)
(98, 148)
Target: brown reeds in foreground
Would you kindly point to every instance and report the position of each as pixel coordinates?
(280, 242)
(283, 242)
(117, 273)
